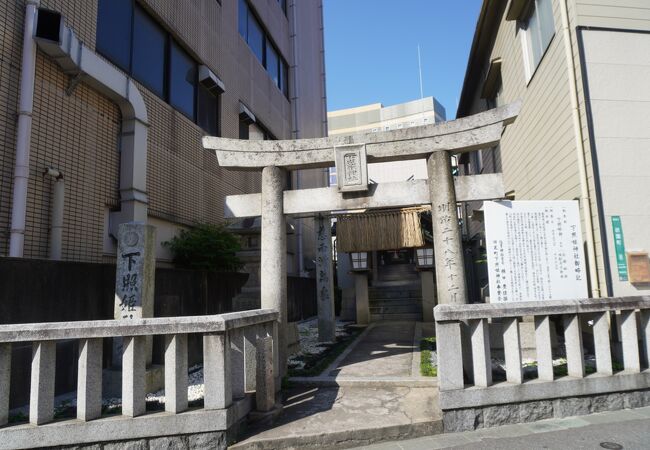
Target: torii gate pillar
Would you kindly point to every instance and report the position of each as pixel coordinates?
(447, 243)
(273, 264)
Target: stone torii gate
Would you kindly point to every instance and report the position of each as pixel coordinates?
(350, 154)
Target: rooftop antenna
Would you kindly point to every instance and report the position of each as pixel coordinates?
(420, 71)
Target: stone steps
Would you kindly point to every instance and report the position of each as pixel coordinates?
(375, 293)
(344, 439)
(396, 309)
(415, 317)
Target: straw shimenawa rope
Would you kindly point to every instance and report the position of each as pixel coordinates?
(379, 230)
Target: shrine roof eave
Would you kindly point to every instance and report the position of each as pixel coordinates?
(482, 130)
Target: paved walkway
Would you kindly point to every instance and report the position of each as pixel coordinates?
(372, 393)
(627, 429)
(386, 350)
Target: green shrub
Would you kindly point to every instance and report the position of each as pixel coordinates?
(206, 247)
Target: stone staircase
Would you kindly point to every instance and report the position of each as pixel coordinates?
(390, 302)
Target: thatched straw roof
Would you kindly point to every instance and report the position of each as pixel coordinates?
(380, 230)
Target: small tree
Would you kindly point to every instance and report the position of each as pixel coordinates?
(206, 247)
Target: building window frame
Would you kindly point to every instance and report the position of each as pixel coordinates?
(171, 44)
(536, 38)
(281, 77)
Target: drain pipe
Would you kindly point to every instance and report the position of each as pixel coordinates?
(24, 132)
(296, 129)
(84, 65)
(585, 200)
(56, 218)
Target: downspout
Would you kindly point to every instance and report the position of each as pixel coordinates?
(82, 64)
(56, 217)
(24, 132)
(295, 132)
(585, 200)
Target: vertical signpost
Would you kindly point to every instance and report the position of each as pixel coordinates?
(619, 247)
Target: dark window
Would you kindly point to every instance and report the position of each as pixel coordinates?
(134, 41)
(273, 63)
(243, 19)
(148, 64)
(284, 79)
(182, 81)
(262, 46)
(208, 112)
(256, 37)
(114, 31)
(283, 5)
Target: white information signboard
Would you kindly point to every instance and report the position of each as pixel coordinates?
(534, 250)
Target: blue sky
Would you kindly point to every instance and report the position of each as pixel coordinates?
(371, 50)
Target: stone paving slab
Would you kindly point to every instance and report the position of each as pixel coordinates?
(385, 351)
(626, 429)
(332, 418)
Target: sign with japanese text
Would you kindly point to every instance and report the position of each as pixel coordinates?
(619, 246)
(535, 251)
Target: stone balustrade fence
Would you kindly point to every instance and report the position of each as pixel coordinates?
(470, 398)
(238, 354)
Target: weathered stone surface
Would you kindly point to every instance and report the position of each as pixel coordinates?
(273, 268)
(265, 379)
(636, 399)
(361, 298)
(212, 441)
(450, 357)
(136, 327)
(127, 445)
(325, 281)
(546, 307)
(458, 420)
(530, 412)
(576, 406)
(450, 268)
(176, 377)
(382, 195)
(168, 443)
(494, 416)
(471, 133)
(608, 402)
(5, 376)
(89, 379)
(41, 397)
(217, 371)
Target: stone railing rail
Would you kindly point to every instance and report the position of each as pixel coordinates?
(464, 350)
(238, 358)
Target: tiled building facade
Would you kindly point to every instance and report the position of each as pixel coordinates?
(77, 131)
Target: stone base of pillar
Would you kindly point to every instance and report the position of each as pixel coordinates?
(348, 308)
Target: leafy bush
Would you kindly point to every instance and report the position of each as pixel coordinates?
(206, 247)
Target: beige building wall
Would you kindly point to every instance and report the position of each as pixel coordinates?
(617, 67)
(619, 14)
(374, 118)
(537, 154)
(78, 133)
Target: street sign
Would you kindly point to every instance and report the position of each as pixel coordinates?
(619, 246)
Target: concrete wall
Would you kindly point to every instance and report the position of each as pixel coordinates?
(538, 152)
(622, 14)
(617, 66)
(78, 134)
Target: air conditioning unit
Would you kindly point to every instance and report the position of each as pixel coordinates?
(210, 81)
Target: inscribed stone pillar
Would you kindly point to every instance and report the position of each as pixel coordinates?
(325, 281)
(135, 278)
(447, 243)
(428, 295)
(361, 298)
(273, 267)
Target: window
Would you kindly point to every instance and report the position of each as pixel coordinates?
(130, 38)
(263, 48)
(182, 81)
(114, 31)
(538, 30)
(273, 63)
(208, 111)
(148, 60)
(283, 5)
